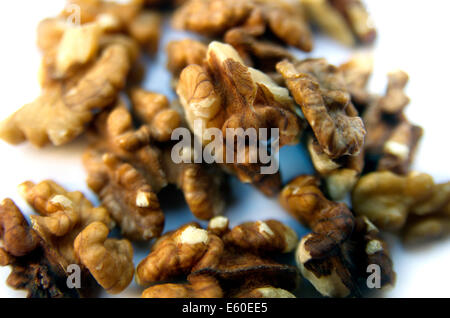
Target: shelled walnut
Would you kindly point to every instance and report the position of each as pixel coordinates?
(202, 185)
(320, 90)
(68, 231)
(346, 20)
(413, 204)
(335, 256)
(110, 261)
(64, 108)
(184, 52)
(332, 223)
(225, 93)
(146, 29)
(237, 263)
(124, 190)
(391, 140)
(284, 19)
(36, 268)
(62, 215)
(154, 112)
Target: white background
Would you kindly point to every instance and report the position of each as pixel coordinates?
(412, 36)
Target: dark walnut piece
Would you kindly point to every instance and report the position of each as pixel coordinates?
(320, 90)
(391, 140)
(35, 266)
(236, 263)
(335, 256)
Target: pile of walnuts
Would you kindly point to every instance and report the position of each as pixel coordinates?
(361, 146)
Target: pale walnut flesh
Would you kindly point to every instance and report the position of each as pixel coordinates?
(342, 271)
(211, 17)
(263, 237)
(320, 90)
(285, 19)
(357, 72)
(387, 199)
(16, 236)
(346, 21)
(110, 261)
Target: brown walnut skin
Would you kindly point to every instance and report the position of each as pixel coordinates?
(154, 110)
(180, 253)
(285, 19)
(266, 237)
(320, 90)
(114, 132)
(18, 239)
(62, 216)
(36, 267)
(431, 218)
(372, 249)
(412, 204)
(357, 72)
(127, 195)
(238, 268)
(332, 223)
(201, 184)
(225, 93)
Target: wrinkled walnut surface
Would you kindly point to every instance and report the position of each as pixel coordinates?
(230, 263)
(320, 90)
